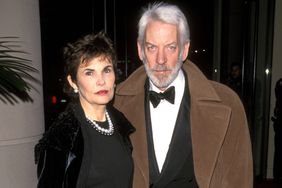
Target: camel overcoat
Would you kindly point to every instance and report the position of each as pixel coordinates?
(219, 130)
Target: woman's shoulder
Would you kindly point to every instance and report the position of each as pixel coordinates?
(61, 133)
(120, 121)
(65, 123)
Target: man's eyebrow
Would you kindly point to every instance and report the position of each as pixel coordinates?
(148, 43)
(172, 43)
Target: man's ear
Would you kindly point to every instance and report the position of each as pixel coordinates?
(140, 53)
(185, 51)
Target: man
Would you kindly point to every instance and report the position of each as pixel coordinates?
(235, 78)
(277, 125)
(199, 138)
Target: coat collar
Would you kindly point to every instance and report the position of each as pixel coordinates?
(124, 127)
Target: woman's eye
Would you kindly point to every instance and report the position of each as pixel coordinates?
(88, 73)
(108, 70)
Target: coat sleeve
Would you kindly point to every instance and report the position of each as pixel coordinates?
(51, 168)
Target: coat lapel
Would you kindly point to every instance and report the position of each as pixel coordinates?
(208, 127)
(209, 123)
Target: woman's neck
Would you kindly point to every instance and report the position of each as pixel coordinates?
(95, 112)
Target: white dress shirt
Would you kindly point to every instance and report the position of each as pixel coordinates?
(163, 119)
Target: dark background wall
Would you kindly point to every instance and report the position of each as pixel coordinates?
(66, 20)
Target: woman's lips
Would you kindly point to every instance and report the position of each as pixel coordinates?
(102, 92)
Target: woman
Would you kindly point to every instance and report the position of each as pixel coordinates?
(88, 145)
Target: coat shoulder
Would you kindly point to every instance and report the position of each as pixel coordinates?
(122, 123)
(60, 134)
(226, 94)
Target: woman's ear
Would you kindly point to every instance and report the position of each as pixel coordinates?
(72, 84)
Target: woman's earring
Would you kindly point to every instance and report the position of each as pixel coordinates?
(75, 90)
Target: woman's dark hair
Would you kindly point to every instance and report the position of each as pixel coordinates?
(84, 50)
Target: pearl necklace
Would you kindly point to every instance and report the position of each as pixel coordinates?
(97, 127)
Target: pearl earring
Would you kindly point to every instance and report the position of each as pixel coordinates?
(75, 90)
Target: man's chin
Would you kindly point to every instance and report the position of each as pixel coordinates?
(160, 82)
(161, 76)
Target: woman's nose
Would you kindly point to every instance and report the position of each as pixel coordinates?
(100, 80)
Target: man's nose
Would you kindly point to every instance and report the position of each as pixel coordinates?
(161, 57)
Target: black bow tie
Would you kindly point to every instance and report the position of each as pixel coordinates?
(168, 95)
